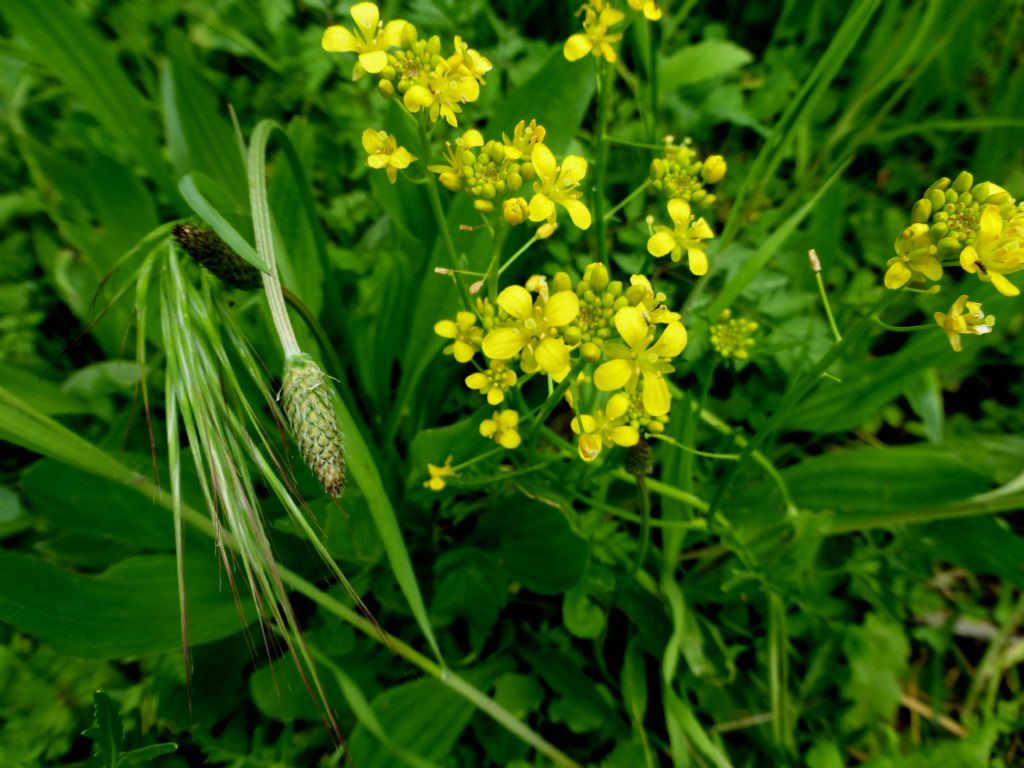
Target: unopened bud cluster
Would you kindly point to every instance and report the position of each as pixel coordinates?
(209, 251)
(681, 174)
(733, 336)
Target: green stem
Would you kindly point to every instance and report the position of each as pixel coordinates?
(706, 454)
(435, 198)
(666, 490)
(637, 144)
(828, 307)
(494, 268)
(626, 200)
(601, 160)
(553, 398)
(279, 313)
(904, 328)
(512, 259)
(796, 393)
(644, 497)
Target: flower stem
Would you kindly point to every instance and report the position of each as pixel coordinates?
(279, 313)
(601, 160)
(494, 268)
(828, 308)
(903, 328)
(626, 200)
(511, 259)
(553, 398)
(434, 197)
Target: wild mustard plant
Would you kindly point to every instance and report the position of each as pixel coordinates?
(977, 227)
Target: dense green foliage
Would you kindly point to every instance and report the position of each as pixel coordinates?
(824, 566)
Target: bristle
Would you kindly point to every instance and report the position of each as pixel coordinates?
(306, 396)
(208, 250)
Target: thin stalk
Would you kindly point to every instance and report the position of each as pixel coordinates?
(512, 259)
(553, 398)
(494, 268)
(666, 490)
(828, 307)
(904, 328)
(279, 312)
(601, 160)
(644, 497)
(434, 197)
(626, 200)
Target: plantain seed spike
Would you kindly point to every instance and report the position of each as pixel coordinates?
(208, 250)
(306, 395)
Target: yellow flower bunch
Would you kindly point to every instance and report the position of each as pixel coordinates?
(494, 172)
(733, 336)
(417, 70)
(686, 235)
(623, 333)
(650, 8)
(598, 18)
(681, 174)
(965, 317)
(383, 152)
(979, 227)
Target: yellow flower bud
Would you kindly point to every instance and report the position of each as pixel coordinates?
(546, 230)
(515, 210)
(484, 206)
(561, 282)
(386, 88)
(714, 169)
(591, 352)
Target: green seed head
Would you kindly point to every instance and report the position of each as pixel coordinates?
(210, 252)
(306, 396)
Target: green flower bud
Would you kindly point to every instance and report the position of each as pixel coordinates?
(963, 182)
(484, 206)
(597, 275)
(936, 198)
(921, 212)
(386, 88)
(572, 335)
(590, 352)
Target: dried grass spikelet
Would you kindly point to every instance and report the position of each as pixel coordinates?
(306, 396)
(208, 250)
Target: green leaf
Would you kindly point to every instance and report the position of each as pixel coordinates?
(40, 393)
(422, 717)
(105, 731)
(981, 545)
(73, 51)
(469, 586)
(702, 61)
(144, 755)
(535, 544)
(582, 607)
(129, 610)
(877, 652)
(872, 481)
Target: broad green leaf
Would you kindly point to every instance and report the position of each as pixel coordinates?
(702, 61)
(200, 138)
(982, 545)
(422, 717)
(129, 610)
(469, 585)
(877, 653)
(72, 49)
(535, 544)
(41, 393)
(583, 608)
(871, 481)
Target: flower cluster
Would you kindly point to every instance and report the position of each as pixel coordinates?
(978, 227)
(680, 175)
(615, 341)
(733, 336)
(416, 70)
(494, 172)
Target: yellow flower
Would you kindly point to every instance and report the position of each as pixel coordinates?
(597, 19)
(503, 428)
(446, 90)
(524, 138)
(641, 358)
(370, 40)
(438, 475)
(915, 255)
(451, 175)
(652, 12)
(493, 382)
(515, 210)
(997, 250)
(532, 328)
(733, 336)
(558, 184)
(654, 310)
(965, 317)
(685, 236)
(383, 152)
(605, 428)
(713, 169)
(471, 62)
(466, 336)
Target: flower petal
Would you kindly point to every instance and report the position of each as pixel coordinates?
(562, 308)
(503, 343)
(590, 447)
(373, 61)
(632, 327)
(614, 374)
(661, 242)
(968, 259)
(897, 275)
(462, 351)
(991, 222)
(517, 301)
(679, 211)
(1003, 285)
(672, 341)
(697, 260)
(657, 400)
(552, 355)
(584, 420)
(366, 15)
(578, 212)
(576, 47)
(392, 35)
(574, 168)
(417, 97)
(616, 408)
(541, 207)
(625, 436)
(446, 329)
(337, 39)
(543, 163)
(476, 380)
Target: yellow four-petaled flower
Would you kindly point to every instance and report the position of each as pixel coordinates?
(688, 235)
(371, 39)
(383, 152)
(558, 184)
